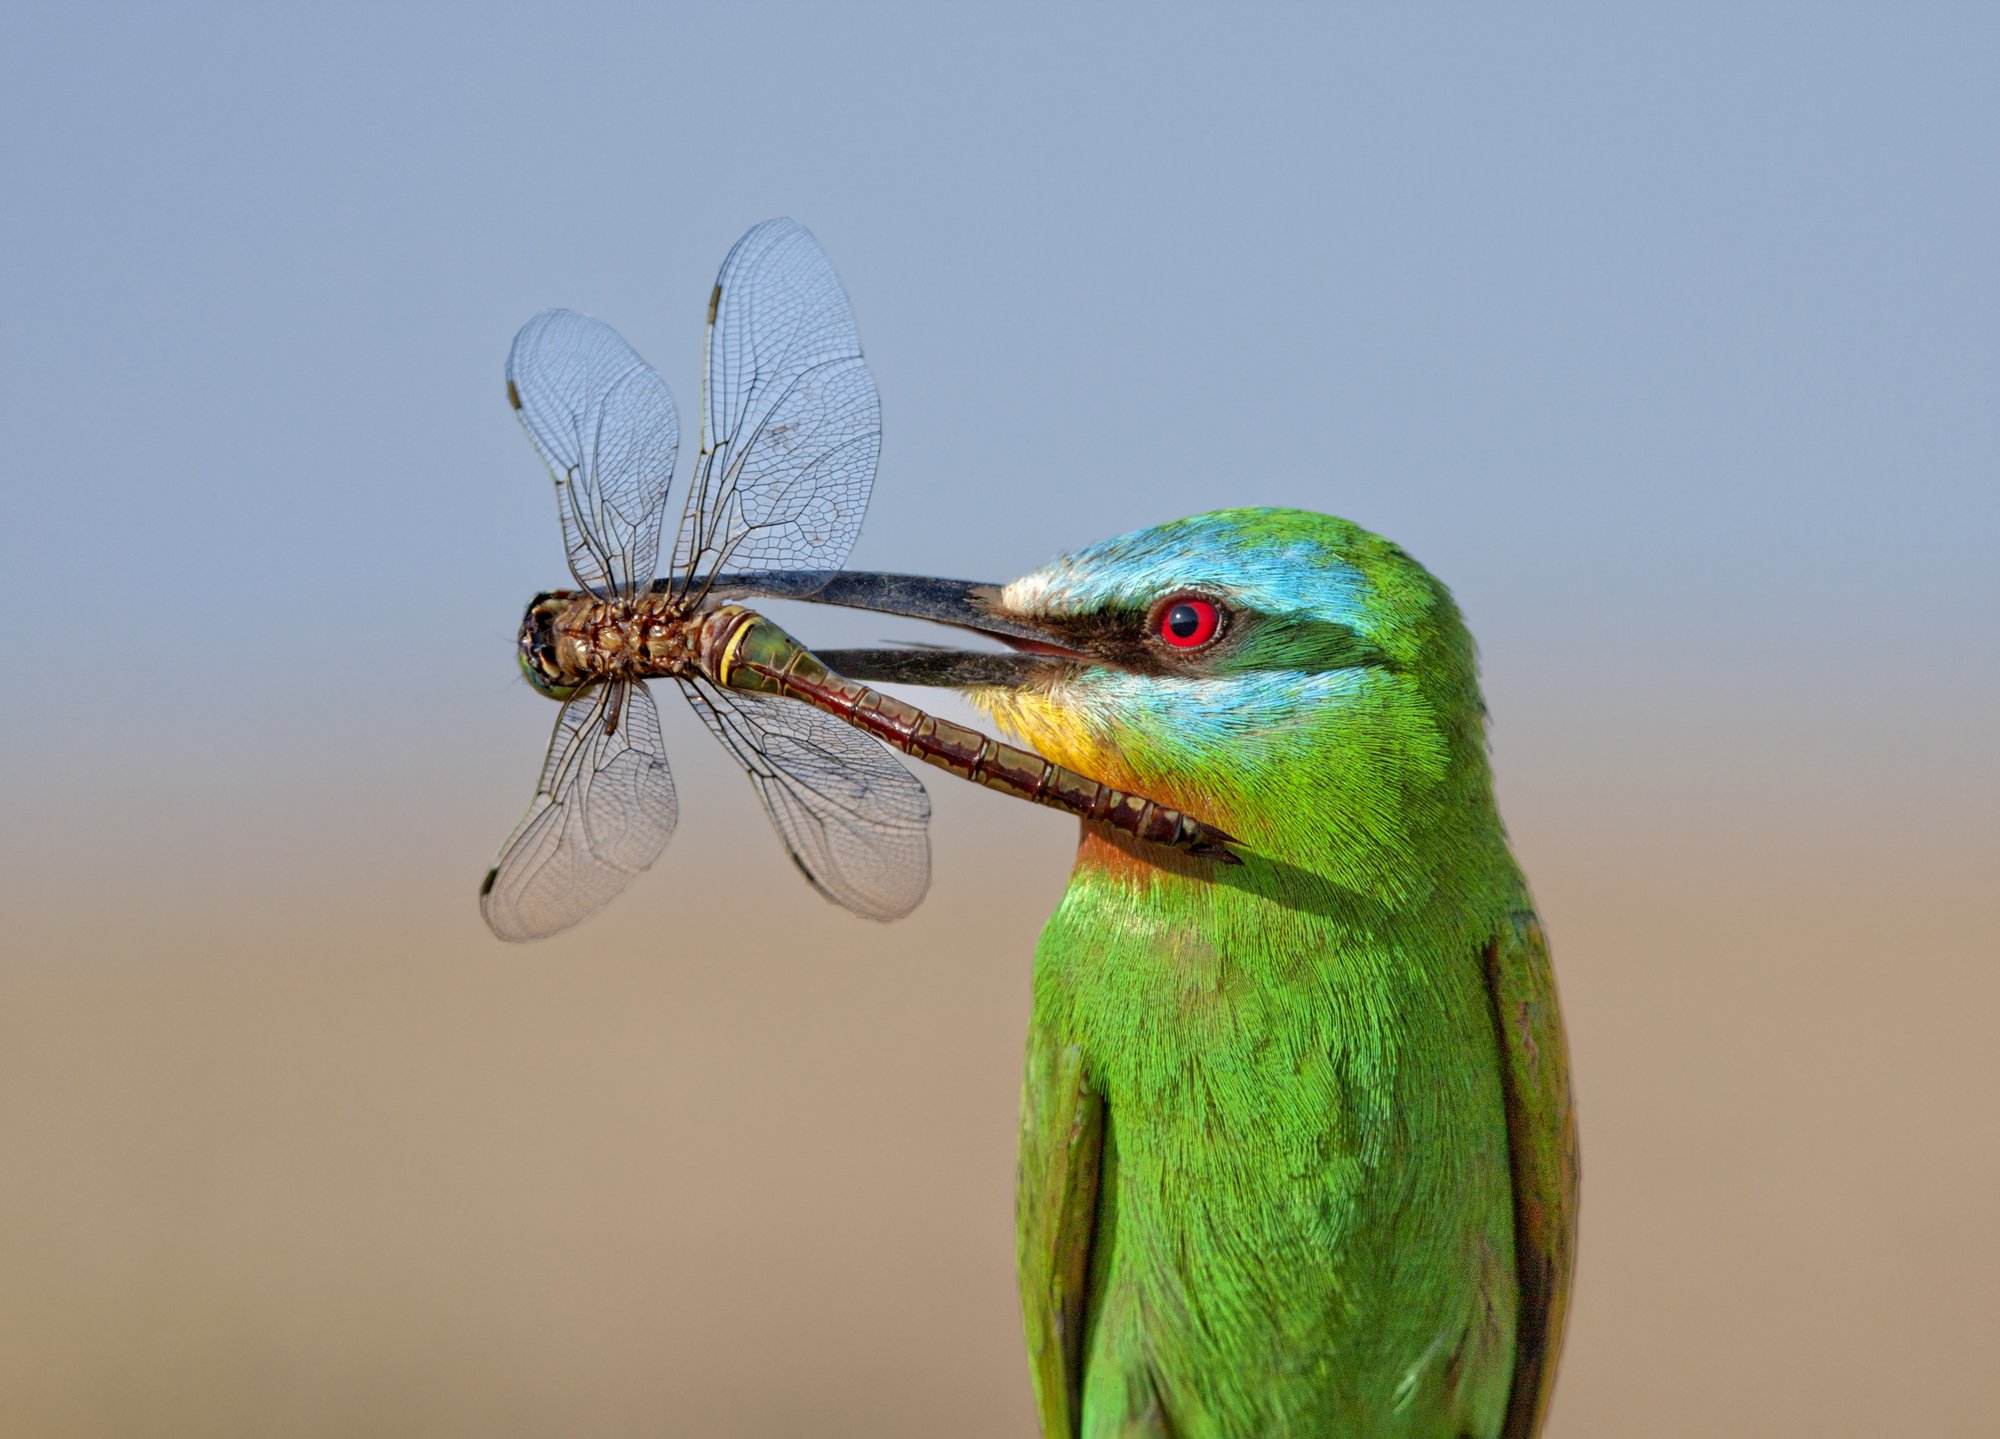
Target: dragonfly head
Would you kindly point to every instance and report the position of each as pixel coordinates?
(536, 647)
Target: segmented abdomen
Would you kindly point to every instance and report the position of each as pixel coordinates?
(761, 657)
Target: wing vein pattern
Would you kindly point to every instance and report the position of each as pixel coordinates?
(605, 423)
(791, 423)
(852, 818)
(603, 811)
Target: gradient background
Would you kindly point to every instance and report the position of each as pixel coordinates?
(1671, 341)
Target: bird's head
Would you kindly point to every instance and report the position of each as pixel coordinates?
(1289, 676)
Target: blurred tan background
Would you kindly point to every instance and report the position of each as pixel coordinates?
(1667, 341)
(293, 1147)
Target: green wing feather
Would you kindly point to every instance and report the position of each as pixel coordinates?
(1062, 1140)
(1541, 1132)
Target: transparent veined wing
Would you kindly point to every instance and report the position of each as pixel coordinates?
(853, 818)
(791, 425)
(606, 424)
(603, 811)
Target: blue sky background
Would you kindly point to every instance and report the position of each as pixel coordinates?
(1669, 341)
(1670, 338)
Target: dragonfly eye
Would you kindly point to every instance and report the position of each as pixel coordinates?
(542, 676)
(1187, 622)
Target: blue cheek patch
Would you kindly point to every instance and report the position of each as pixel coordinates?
(1191, 716)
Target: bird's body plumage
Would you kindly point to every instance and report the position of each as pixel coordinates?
(1297, 1156)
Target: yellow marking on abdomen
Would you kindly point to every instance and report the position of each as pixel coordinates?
(725, 665)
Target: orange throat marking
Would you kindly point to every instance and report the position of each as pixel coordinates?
(1057, 733)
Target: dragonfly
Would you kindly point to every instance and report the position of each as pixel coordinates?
(790, 435)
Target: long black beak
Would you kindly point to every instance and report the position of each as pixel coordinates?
(964, 604)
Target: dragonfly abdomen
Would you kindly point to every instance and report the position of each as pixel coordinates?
(748, 652)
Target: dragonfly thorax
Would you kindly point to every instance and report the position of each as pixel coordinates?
(570, 639)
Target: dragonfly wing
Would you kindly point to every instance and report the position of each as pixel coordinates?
(853, 818)
(603, 811)
(606, 424)
(791, 425)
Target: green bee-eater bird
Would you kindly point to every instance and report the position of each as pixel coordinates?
(1297, 1155)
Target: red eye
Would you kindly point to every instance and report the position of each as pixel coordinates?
(1189, 623)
